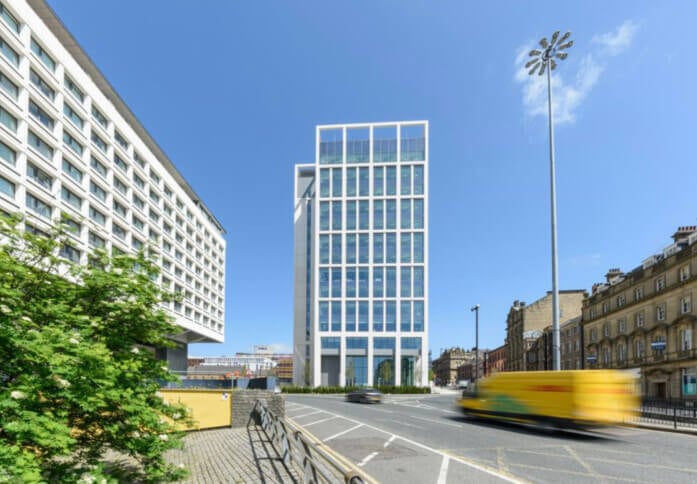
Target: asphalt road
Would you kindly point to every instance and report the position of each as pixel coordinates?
(425, 439)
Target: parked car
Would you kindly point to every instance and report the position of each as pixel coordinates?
(364, 395)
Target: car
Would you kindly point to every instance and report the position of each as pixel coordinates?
(364, 395)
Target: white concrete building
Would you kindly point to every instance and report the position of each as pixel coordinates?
(69, 145)
(361, 257)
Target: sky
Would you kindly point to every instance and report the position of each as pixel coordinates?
(232, 91)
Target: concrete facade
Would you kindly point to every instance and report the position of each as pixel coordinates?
(70, 146)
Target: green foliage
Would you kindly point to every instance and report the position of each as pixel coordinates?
(76, 375)
(347, 389)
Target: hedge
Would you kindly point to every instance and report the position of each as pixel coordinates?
(383, 389)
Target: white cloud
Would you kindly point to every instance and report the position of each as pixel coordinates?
(568, 96)
(616, 43)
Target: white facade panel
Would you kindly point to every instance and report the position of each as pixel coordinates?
(70, 145)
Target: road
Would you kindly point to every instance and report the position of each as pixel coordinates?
(425, 439)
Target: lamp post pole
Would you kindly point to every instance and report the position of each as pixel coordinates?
(544, 60)
(476, 341)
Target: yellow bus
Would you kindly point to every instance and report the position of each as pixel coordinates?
(564, 399)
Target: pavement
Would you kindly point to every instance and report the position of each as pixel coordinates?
(232, 455)
(246, 455)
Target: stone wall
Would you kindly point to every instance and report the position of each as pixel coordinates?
(243, 402)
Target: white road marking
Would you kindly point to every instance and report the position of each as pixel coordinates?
(308, 414)
(407, 424)
(449, 424)
(344, 432)
(319, 421)
(390, 441)
(443, 474)
(367, 459)
(461, 460)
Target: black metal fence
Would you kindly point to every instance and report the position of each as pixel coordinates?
(675, 413)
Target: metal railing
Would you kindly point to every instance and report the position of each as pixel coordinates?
(674, 413)
(318, 465)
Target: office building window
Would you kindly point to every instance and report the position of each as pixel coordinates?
(9, 53)
(324, 215)
(357, 145)
(363, 281)
(639, 319)
(39, 176)
(336, 249)
(8, 120)
(72, 143)
(390, 316)
(413, 143)
(405, 247)
(363, 248)
(689, 381)
(405, 282)
(336, 182)
(336, 283)
(378, 181)
(99, 142)
(8, 18)
(7, 154)
(391, 181)
(41, 85)
(411, 343)
(69, 252)
(98, 191)
(336, 315)
(120, 164)
(418, 180)
(378, 248)
(419, 316)
(364, 182)
(98, 166)
(660, 283)
(118, 231)
(324, 249)
(377, 319)
(99, 117)
(331, 146)
(378, 281)
(684, 273)
(71, 199)
(350, 282)
(7, 187)
(120, 186)
(364, 215)
(72, 115)
(120, 209)
(8, 86)
(38, 206)
(661, 312)
(350, 215)
(418, 281)
(685, 304)
(96, 241)
(72, 171)
(405, 181)
(120, 140)
(324, 316)
(97, 216)
(74, 90)
(41, 53)
(336, 215)
(385, 144)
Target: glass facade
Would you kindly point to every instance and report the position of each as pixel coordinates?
(371, 277)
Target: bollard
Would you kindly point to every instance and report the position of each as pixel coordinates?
(675, 417)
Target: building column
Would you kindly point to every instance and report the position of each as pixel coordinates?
(398, 361)
(342, 361)
(370, 361)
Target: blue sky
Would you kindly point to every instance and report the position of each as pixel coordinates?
(232, 91)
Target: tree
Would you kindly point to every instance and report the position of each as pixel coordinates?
(76, 378)
(385, 372)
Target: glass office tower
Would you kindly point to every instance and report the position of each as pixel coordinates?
(361, 257)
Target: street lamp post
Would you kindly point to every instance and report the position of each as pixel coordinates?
(476, 341)
(544, 60)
